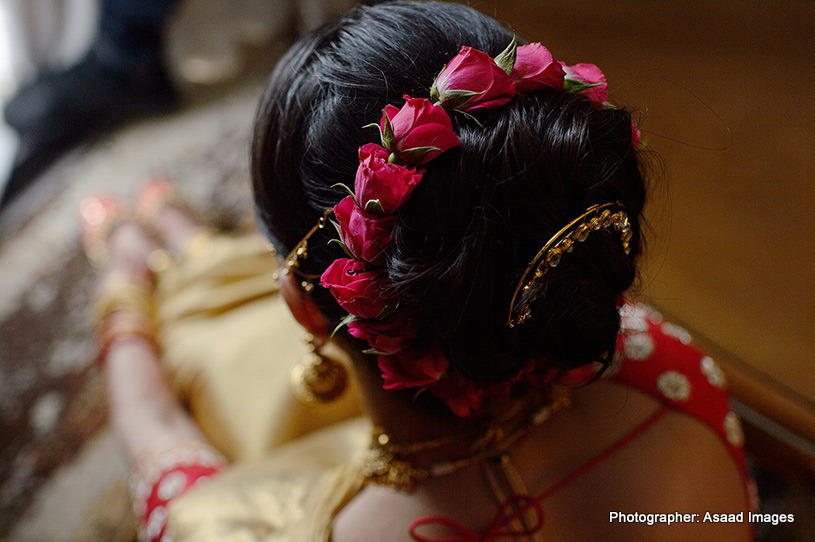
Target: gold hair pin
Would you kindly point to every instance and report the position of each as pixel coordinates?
(597, 217)
(300, 253)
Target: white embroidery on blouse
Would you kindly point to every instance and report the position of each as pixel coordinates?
(171, 485)
(733, 429)
(674, 386)
(156, 521)
(713, 373)
(638, 346)
(677, 332)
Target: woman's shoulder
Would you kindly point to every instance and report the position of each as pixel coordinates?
(660, 359)
(677, 466)
(655, 436)
(629, 454)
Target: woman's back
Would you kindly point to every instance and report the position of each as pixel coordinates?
(677, 464)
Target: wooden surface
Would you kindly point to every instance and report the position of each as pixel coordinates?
(726, 93)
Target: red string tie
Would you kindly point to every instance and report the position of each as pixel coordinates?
(512, 509)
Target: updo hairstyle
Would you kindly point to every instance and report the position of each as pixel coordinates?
(481, 212)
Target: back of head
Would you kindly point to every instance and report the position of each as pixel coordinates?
(482, 211)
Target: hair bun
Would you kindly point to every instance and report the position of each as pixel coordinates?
(576, 318)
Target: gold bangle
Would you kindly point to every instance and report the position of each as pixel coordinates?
(121, 296)
(125, 326)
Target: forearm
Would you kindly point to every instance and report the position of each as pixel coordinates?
(144, 410)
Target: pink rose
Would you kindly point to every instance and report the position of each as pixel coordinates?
(421, 131)
(378, 181)
(472, 81)
(535, 68)
(365, 236)
(590, 74)
(357, 291)
(462, 396)
(636, 136)
(411, 369)
(388, 335)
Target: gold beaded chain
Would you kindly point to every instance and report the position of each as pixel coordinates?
(388, 463)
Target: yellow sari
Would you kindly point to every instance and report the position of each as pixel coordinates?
(229, 343)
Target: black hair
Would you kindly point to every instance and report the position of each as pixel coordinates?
(481, 212)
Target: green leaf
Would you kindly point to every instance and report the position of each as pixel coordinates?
(434, 90)
(417, 154)
(453, 99)
(388, 139)
(344, 247)
(379, 259)
(344, 322)
(462, 93)
(385, 312)
(377, 352)
(345, 188)
(374, 207)
(420, 391)
(506, 59)
(470, 117)
(573, 86)
(337, 227)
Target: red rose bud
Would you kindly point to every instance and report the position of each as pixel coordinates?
(364, 235)
(381, 187)
(636, 136)
(472, 81)
(418, 132)
(462, 396)
(589, 80)
(535, 69)
(411, 369)
(387, 336)
(357, 291)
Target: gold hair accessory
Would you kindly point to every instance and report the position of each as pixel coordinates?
(597, 217)
(300, 253)
(318, 379)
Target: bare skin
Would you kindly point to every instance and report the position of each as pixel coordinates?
(677, 465)
(144, 411)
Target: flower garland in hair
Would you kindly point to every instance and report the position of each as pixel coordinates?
(411, 137)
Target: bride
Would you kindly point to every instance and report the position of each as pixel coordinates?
(462, 217)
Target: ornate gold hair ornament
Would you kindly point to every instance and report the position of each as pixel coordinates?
(300, 253)
(604, 216)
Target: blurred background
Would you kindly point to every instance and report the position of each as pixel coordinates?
(722, 92)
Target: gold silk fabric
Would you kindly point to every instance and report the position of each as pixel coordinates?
(292, 496)
(229, 342)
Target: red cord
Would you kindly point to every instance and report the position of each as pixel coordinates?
(517, 506)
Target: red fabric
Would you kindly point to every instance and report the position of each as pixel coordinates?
(707, 403)
(153, 525)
